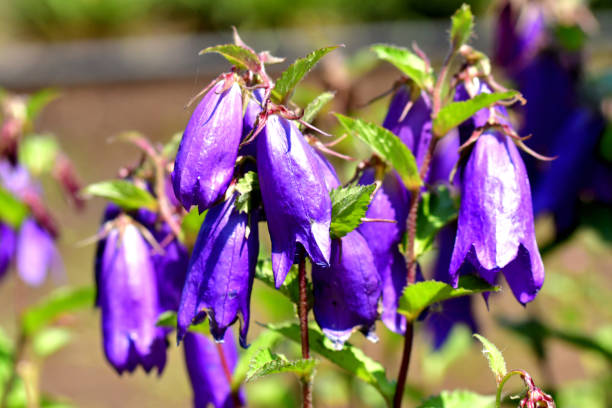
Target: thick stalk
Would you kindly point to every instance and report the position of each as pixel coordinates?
(228, 375)
(303, 313)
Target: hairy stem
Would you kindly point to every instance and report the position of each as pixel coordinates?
(303, 313)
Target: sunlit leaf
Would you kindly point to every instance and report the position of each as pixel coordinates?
(314, 107)
(349, 206)
(12, 210)
(462, 26)
(407, 62)
(436, 209)
(459, 399)
(239, 56)
(497, 364)
(265, 362)
(123, 193)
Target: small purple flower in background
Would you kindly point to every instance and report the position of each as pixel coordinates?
(36, 253)
(171, 269)
(295, 197)
(8, 243)
(445, 157)
(221, 272)
(127, 295)
(209, 371)
(207, 153)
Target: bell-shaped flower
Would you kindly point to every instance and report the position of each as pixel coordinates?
(346, 293)
(8, 244)
(127, 295)
(171, 269)
(253, 109)
(210, 367)
(445, 157)
(221, 272)
(207, 153)
(36, 253)
(294, 194)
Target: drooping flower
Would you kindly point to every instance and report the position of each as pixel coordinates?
(209, 371)
(36, 253)
(221, 272)
(294, 194)
(8, 243)
(253, 109)
(127, 296)
(207, 153)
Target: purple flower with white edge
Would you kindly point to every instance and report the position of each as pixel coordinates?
(8, 244)
(294, 194)
(210, 371)
(207, 153)
(221, 272)
(36, 253)
(129, 303)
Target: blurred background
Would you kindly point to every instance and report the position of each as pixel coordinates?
(133, 65)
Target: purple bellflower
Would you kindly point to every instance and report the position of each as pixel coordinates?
(495, 225)
(207, 153)
(8, 243)
(129, 303)
(294, 194)
(36, 253)
(209, 371)
(221, 272)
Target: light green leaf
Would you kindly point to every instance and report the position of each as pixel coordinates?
(265, 362)
(436, 209)
(290, 287)
(497, 364)
(37, 101)
(419, 296)
(459, 399)
(168, 319)
(349, 206)
(296, 71)
(38, 153)
(315, 106)
(455, 113)
(406, 61)
(50, 340)
(169, 150)
(248, 187)
(239, 56)
(59, 302)
(123, 193)
(12, 210)
(388, 146)
(349, 357)
(462, 26)
(267, 339)
(192, 222)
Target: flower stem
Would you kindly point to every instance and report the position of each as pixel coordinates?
(403, 373)
(18, 354)
(303, 313)
(228, 375)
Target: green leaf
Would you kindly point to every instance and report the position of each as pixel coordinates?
(419, 296)
(39, 100)
(171, 148)
(192, 222)
(497, 364)
(406, 61)
(388, 146)
(239, 56)
(265, 362)
(168, 319)
(436, 209)
(49, 341)
(349, 357)
(267, 339)
(296, 71)
(38, 153)
(290, 287)
(455, 113)
(59, 302)
(248, 187)
(12, 210)
(123, 193)
(349, 206)
(462, 26)
(315, 106)
(459, 399)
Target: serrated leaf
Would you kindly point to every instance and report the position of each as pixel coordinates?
(49, 341)
(38, 153)
(419, 296)
(238, 56)
(290, 287)
(168, 319)
(459, 399)
(350, 358)
(388, 146)
(436, 209)
(265, 362)
(349, 206)
(455, 113)
(497, 364)
(58, 303)
(12, 210)
(406, 61)
(462, 26)
(248, 189)
(267, 339)
(123, 193)
(296, 71)
(315, 106)
(37, 101)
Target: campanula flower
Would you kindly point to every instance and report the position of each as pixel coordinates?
(8, 243)
(208, 372)
(207, 153)
(170, 268)
(36, 253)
(294, 194)
(127, 295)
(253, 109)
(221, 272)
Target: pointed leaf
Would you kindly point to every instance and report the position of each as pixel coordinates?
(419, 296)
(436, 209)
(12, 210)
(37, 101)
(388, 146)
(313, 108)
(459, 399)
(238, 56)
(462, 26)
(349, 206)
(406, 61)
(296, 71)
(265, 362)
(191, 226)
(497, 364)
(123, 193)
(267, 339)
(455, 113)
